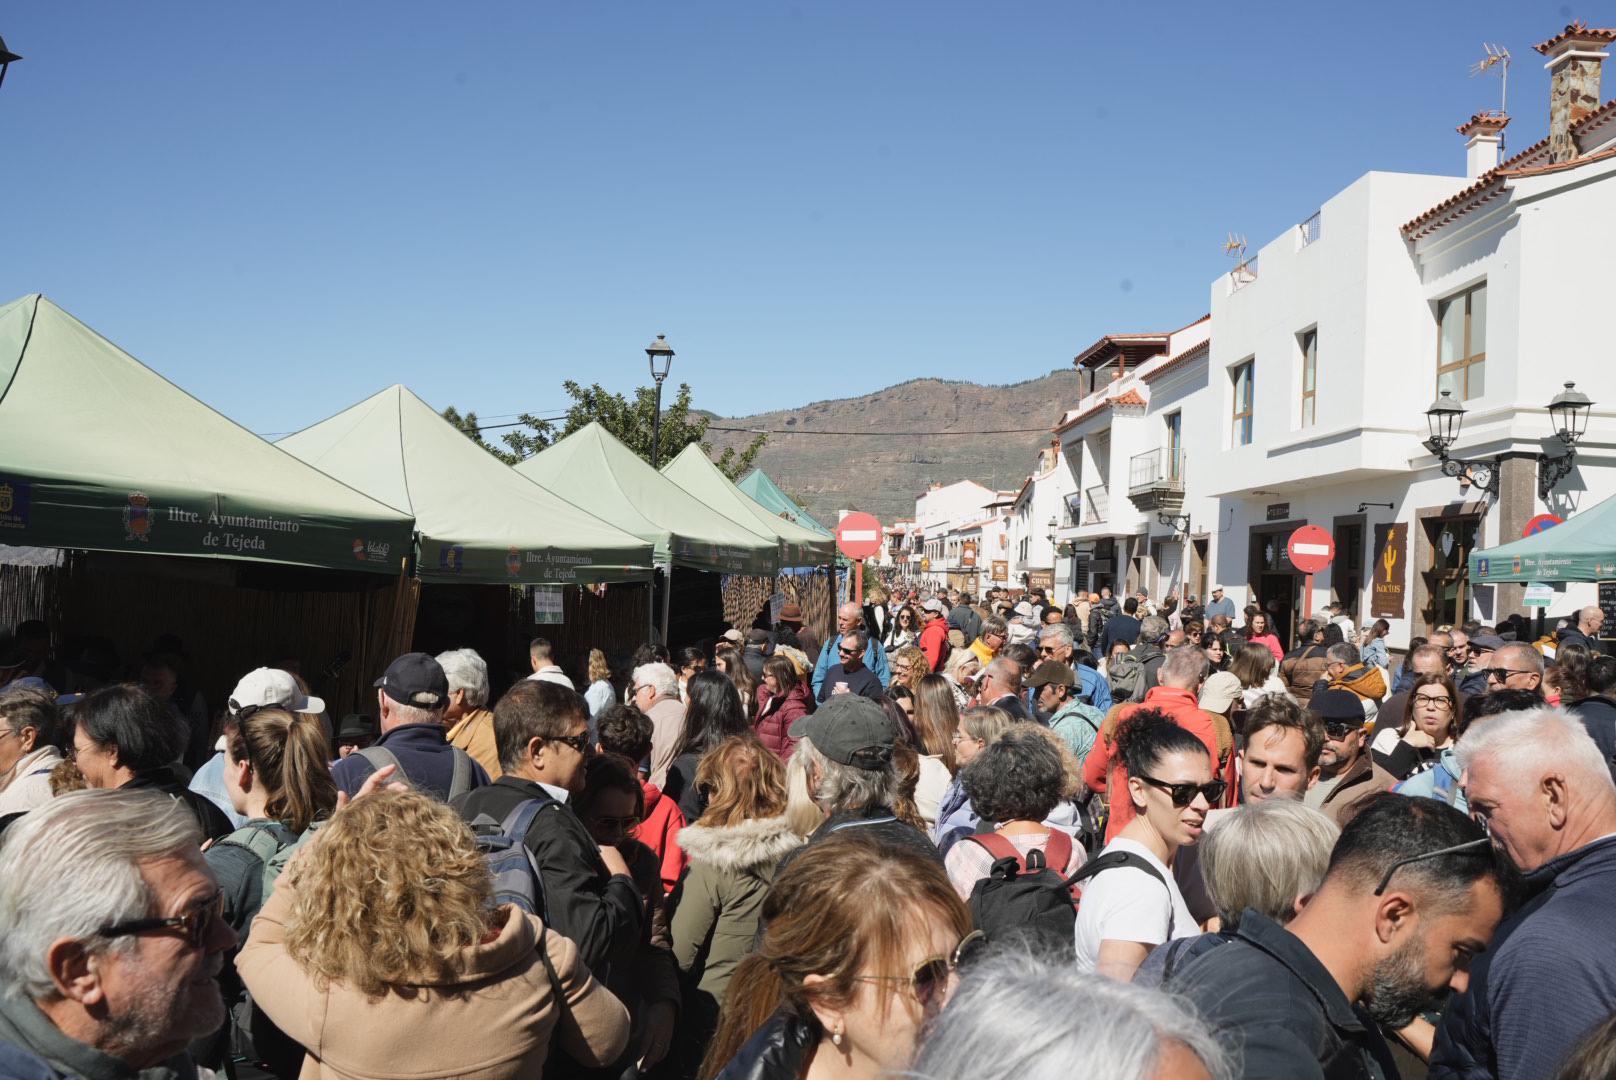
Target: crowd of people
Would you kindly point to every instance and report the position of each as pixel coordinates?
(954, 839)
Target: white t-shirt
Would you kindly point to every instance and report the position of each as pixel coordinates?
(931, 787)
(1126, 904)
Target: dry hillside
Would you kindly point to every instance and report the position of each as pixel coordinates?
(883, 467)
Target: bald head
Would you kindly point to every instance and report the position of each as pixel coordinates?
(1183, 669)
(1431, 659)
(1590, 619)
(848, 617)
(1519, 656)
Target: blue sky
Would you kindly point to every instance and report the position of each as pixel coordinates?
(284, 207)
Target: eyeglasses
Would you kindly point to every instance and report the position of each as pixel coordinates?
(1435, 701)
(1502, 674)
(849, 652)
(617, 824)
(579, 742)
(1456, 849)
(930, 976)
(643, 686)
(1184, 794)
(196, 923)
(1340, 729)
(1046, 650)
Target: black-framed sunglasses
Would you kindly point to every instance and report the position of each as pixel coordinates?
(930, 976)
(196, 923)
(1184, 794)
(1340, 729)
(1502, 674)
(1456, 849)
(579, 742)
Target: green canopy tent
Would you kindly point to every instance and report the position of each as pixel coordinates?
(99, 452)
(695, 472)
(478, 521)
(593, 469)
(757, 486)
(1583, 548)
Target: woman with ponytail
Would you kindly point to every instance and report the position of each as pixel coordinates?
(1130, 902)
(859, 951)
(278, 776)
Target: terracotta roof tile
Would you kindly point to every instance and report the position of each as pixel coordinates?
(1487, 122)
(1577, 31)
(1129, 396)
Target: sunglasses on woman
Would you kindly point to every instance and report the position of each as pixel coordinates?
(1184, 794)
(930, 977)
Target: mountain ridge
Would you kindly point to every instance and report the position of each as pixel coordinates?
(993, 435)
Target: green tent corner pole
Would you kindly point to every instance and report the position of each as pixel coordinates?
(667, 603)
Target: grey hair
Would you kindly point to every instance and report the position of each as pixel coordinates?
(1018, 1018)
(845, 787)
(1265, 855)
(413, 714)
(1533, 743)
(1342, 652)
(1059, 632)
(1152, 628)
(1529, 657)
(1184, 667)
(72, 866)
(995, 625)
(466, 671)
(660, 677)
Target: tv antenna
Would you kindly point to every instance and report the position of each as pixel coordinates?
(1234, 246)
(1496, 57)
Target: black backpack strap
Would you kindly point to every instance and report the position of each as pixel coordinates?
(1112, 859)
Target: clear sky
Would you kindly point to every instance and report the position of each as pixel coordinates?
(285, 206)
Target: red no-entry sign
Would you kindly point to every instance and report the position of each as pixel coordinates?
(1311, 549)
(859, 535)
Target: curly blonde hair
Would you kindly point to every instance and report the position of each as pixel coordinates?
(387, 893)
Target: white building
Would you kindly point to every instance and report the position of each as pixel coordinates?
(1329, 348)
(1129, 465)
(940, 513)
(1037, 513)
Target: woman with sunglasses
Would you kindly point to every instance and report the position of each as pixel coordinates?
(859, 952)
(1429, 725)
(903, 631)
(383, 953)
(1128, 910)
(733, 850)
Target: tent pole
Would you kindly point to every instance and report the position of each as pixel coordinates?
(667, 600)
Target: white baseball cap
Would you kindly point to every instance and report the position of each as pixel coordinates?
(267, 686)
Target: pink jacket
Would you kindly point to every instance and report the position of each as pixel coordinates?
(776, 715)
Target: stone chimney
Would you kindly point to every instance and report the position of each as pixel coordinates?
(1574, 63)
(1485, 149)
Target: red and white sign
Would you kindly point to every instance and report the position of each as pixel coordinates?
(859, 535)
(1311, 549)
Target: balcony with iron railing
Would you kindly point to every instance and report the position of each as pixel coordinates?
(1156, 479)
(1096, 505)
(1308, 231)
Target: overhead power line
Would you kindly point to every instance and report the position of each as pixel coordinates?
(884, 433)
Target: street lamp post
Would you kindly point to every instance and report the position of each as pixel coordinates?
(1445, 417)
(661, 357)
(6, 58)
(1569, 412)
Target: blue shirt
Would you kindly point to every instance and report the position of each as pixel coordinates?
(874, 659)
(1092, 687)
(1224, 607)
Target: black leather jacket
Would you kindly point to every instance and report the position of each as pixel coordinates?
(777, 1051)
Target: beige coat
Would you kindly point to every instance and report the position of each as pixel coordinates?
(474, 733)
(495, 1019)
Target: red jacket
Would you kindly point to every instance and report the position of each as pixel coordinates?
(1103, 770)
(776, 715)
(934, 643)
(659, 831)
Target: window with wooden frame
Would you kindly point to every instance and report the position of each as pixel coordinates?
(1461, 358)
(1310, 378)
(1243, 375)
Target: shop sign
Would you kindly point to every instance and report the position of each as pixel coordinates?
(1389, 587)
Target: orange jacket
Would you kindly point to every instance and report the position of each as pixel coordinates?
(1103, 770)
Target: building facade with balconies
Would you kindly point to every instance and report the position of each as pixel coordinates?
(1039, 511)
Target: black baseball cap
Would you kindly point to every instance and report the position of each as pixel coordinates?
(416, 679)
(850, 729)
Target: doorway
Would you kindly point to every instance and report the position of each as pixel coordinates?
(1448, 542)
(1347, 571)
(1275, 585)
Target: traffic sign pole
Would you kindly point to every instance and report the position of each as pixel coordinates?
(1307, 597)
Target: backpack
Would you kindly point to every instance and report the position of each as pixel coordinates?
(504, 847)
(460, 784)
(273, 844)
(1127, 678)
(1026, 898)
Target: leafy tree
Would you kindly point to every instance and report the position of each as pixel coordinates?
(467, 423)
(631, 422)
